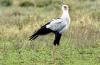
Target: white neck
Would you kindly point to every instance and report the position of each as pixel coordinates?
(65, 14)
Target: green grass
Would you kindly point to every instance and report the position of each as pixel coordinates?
(80, 44)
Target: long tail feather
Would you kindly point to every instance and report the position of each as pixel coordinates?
(42, 31)
(32, 37)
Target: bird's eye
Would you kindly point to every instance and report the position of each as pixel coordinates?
(65, 7)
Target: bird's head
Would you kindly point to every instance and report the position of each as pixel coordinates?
(65, 12)
(65, 7)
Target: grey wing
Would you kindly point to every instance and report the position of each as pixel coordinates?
(56, 25)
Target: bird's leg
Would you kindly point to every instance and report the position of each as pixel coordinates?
(56, 43)
(53, 53)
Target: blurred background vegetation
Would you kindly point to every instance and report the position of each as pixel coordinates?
(80, 45)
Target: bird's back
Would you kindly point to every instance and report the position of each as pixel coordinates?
(57, 24)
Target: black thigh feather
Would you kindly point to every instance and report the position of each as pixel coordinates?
(57, 38)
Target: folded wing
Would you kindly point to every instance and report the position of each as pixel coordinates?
(56, 25)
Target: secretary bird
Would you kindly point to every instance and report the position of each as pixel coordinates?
(56, 26)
